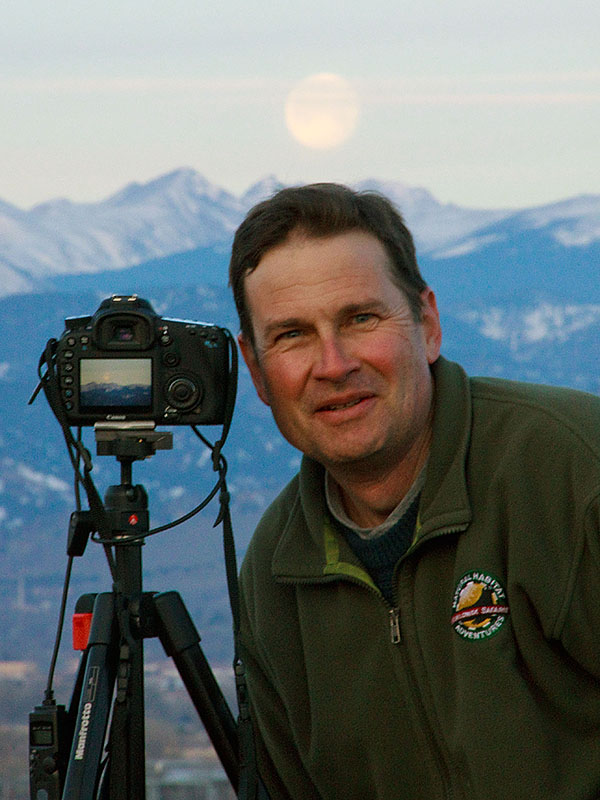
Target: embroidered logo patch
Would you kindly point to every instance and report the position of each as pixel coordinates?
(479, 606)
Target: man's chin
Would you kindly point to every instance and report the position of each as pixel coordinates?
(356, 457)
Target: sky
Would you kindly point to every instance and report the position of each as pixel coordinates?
(486, 104)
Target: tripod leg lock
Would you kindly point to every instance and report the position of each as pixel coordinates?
(123, 673)
(241, 690)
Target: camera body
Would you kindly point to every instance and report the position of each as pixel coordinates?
(126, 363)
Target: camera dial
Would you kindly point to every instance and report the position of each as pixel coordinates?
(182, 393)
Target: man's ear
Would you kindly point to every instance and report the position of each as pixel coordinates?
(431, 325)
(254, 367)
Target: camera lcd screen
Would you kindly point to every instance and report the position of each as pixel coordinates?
(113, 383)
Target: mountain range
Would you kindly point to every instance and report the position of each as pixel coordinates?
(181, 212)
(519, 293)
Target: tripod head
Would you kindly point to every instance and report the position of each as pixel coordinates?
(130, 441)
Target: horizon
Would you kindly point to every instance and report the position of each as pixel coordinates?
(273, 177)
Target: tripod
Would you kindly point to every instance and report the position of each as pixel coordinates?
(104, 728)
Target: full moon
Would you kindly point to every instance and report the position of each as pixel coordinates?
(321, 111)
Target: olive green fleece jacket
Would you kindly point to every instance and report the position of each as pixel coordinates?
(484, 680)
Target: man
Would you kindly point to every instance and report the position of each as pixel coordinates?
(420, 610)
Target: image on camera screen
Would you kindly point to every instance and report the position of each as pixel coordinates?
(115, 382)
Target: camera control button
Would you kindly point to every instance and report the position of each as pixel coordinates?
(171, 359)
(71, 341)
(68, 367)
(85, 340)
(68, 354)
(165, 339)
(182, 393)
(68, 393)
(68, 380)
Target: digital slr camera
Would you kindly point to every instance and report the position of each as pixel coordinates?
(126, 363)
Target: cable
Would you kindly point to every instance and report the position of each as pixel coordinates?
(49, 693)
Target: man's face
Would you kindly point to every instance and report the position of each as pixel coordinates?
(338, 354)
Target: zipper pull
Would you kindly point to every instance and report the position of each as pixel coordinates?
(395, 625)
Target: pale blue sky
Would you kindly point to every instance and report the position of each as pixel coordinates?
(484, 103)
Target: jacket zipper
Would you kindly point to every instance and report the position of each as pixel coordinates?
(394, 617)
(394, 611)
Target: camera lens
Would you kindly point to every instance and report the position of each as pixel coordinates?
(182, 393)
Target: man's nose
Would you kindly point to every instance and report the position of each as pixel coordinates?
(334, 361)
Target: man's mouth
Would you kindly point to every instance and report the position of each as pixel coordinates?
(342, 404)
(339, 406)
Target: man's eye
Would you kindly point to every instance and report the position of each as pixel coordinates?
(286, 335)
(363, 318)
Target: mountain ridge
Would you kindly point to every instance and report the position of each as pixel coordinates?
(182, 211)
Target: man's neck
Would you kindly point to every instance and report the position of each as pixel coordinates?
(370, 495)
(338, 511)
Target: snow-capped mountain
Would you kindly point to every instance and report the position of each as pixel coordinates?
(260, 191)
(181, 211)
(434, 224)
(574, 222)
(174, 213)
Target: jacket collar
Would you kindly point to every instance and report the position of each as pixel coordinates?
(303, 552)
(445, 499)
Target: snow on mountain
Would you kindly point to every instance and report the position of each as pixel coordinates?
(543, 322)
(174, 213)
(41, 479)
(181, 211)
(184, 192)
(260, 191)
(432, 223)
(13, 282)
(574, 222)
(25, 251)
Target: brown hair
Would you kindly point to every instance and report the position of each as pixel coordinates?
(321, 210)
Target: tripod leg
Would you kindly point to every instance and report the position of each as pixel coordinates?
(180, 640)
(126, 746)
(85, 761)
